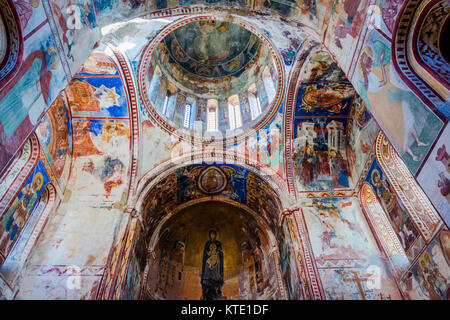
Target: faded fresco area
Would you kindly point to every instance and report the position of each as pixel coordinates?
(346, 253)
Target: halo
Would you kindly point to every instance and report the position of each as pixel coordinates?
(367, 50)
(375, 171)
(39, 175)
(213, 230)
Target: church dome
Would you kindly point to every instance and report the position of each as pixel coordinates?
(215, 78)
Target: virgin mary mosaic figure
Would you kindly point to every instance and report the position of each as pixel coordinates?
(212, 268)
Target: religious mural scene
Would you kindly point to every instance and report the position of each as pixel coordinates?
(224, 150)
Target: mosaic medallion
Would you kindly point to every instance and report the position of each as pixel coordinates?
(212, 180)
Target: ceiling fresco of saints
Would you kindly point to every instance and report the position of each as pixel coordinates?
(211, 75)
(212, 58)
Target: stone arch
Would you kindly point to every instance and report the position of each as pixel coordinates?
(15, 265)
(139, 222)
(150, 178)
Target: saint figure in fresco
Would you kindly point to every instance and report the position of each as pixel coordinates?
(212, 268)
(399, 218)
(308, 172)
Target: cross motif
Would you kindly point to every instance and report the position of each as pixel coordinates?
(358, 283)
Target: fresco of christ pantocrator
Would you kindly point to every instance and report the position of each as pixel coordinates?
(212, 268)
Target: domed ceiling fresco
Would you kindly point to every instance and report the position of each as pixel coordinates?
(212, 49)
(211, 75)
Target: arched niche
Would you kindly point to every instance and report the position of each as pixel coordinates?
(14, 176)
(12, 182)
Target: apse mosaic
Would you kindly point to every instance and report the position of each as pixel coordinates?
(200, 67)
(211, 251)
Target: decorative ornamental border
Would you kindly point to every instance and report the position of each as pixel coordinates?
(416, 203)
(14, 46)
(305, 254)
(132, 101)
(180, 133)
(302, 55)
(115, 260)
(152, 177)
(15, 177)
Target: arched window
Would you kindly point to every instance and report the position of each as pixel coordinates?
(155, 76)
(212, 119)
(234, 111)
(269, 84)
(253, 100)
(170, 100)
(187, 115)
